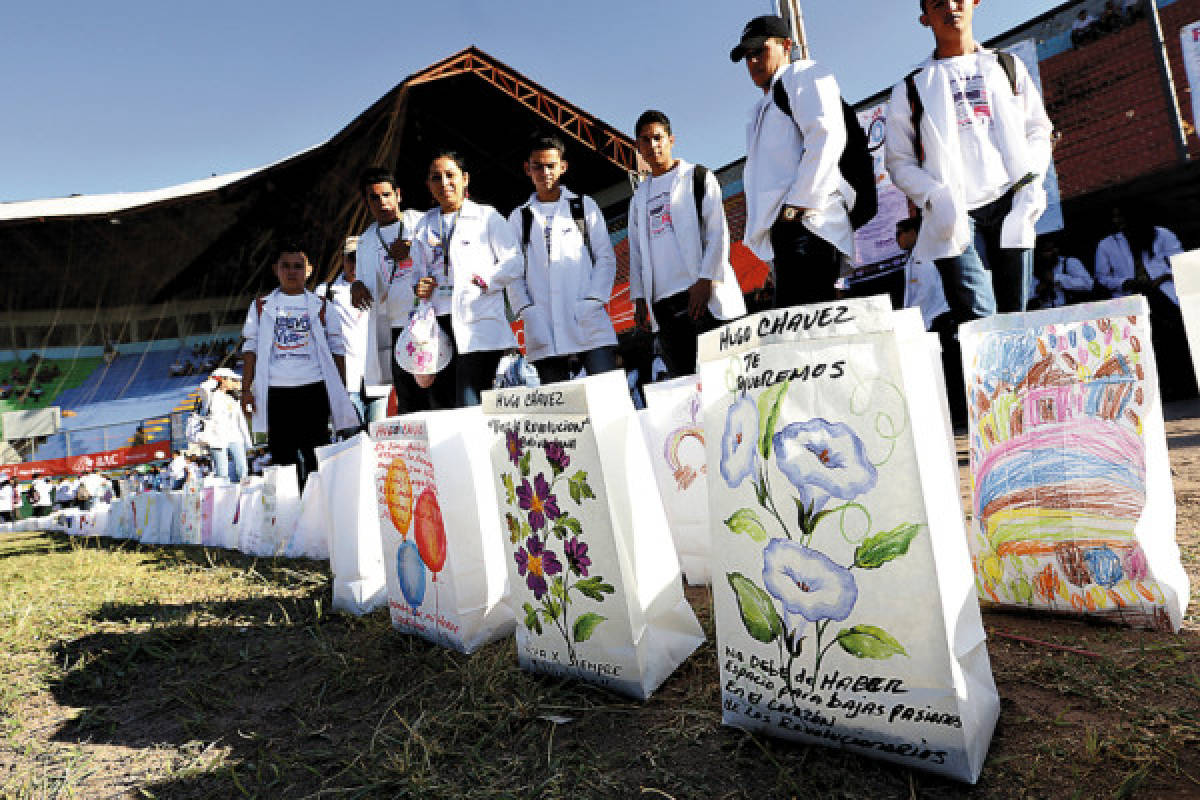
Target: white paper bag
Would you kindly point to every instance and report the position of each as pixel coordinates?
(224, 533)
(311, 537)
(842, 584)
(674, 429)
(1070, 478)
(355, 552)
(272, 515)
(594, 579)
(1186, 269)
(442, 543)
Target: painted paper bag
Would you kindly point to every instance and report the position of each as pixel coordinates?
(1186, 269)
(224, 514)
(355, 553)
(1073, 509)
(248, 500)
(842, 584)
(594, 579)
(674, 429)
(442, 543)
(311, 537)
(121, 517)
(272, 516)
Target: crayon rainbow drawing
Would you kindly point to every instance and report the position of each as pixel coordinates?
(1058, 470)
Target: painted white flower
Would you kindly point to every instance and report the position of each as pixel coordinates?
(809, 584)
(739, 442)
(824, 459)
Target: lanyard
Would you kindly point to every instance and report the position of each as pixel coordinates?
(445, 239)
(387, 252)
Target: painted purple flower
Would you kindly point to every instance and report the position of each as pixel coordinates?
(739, 442)
(538, 501)
(512, 442)
(810, 585)
(534, 562)
(823, 460)
(410, 348)
(556, 454)
(577, 557)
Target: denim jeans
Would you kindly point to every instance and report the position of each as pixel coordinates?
(678, 333)
(233, 455)
(987, 278)
(806, 266)
(474, 373)
(553, 369)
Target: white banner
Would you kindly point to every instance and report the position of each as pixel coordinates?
(1190, 39)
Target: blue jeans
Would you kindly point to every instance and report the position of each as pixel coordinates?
(222, 456)
(987, 278)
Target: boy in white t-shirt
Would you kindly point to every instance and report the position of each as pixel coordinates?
(294, 368)
(969, 144)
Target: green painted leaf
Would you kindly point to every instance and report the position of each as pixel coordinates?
(551, 610)
(525, 464)
(883, 547)
(770, 403)
(558, 589)
(746, 521)
(526, 531)
(578, 488)
(758, 612)
(868, 641)
(565, 525)
(586, 625)
(594, 587)
(531, 619)
(510, 491)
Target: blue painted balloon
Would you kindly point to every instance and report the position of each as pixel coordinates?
(411, 572)
(1104, 564)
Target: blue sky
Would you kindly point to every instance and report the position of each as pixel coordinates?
(132, 94)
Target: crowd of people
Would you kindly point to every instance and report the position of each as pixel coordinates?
(204, 358)
(969, 143)
(1117, 14)
(426, 298)
(27, 379)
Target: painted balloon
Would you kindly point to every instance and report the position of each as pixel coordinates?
(411, 573)
(429, 532)
(397, 490)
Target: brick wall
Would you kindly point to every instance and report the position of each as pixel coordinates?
(1110, 108)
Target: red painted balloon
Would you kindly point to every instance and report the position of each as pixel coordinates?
(429, 532)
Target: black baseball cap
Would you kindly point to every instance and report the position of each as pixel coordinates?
(756, 33)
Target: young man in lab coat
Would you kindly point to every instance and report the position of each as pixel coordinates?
(680, 277)
(796, 195)
(569, 271)
(973, 165)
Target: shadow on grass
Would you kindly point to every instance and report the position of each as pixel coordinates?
(269, 697)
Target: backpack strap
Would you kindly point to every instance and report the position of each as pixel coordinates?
(1008, 62)
(321, 313)
(780, 96)
(259, 302)
(699, 181)
(918, 111)
(576, 205)
(526, 225)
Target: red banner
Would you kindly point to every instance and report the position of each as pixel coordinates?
(78, 465)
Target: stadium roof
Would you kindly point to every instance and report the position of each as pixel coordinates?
(213, 237)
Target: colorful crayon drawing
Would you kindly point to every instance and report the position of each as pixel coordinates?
(1058, 469)
(685, 474)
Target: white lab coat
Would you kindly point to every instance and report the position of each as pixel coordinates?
(1114, 262)
(563, 303)
(356, 329)
(344, 414)
(227, 422)
(1069, 274)
(923, 289)
(793, 160)
(937, 187)
(386, 311)
(705, 248)
(483, 244)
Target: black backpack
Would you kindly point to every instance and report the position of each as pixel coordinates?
(1007, 61)
(856, 163)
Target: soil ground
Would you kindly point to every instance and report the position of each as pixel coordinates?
(180, 672)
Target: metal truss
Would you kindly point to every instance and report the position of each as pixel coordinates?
(573, 121)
